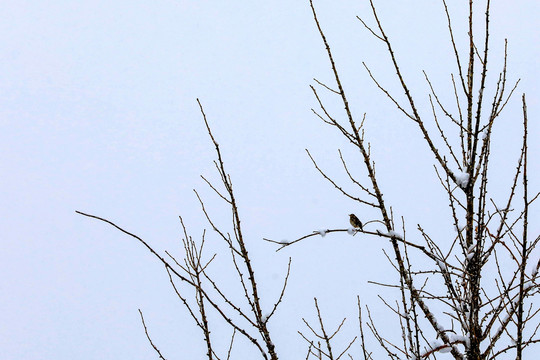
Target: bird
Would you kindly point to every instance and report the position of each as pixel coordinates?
(355, 222)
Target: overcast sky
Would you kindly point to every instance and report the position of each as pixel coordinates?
(98, 113)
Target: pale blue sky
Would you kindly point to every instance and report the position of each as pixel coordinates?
(98, 114)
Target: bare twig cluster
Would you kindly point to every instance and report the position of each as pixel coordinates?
(321, 348)
(251, 321)
(470, 294)
(480, 313)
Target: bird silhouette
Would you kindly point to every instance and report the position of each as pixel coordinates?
(355, 222)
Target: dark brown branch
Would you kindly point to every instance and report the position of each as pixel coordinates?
(148, 337)
(337, 186)
(524, 255)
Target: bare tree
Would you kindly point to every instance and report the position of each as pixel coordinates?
(492, 313)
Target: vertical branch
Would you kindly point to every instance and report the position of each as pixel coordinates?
(524, 255)
(474, 267)
(483, 77)
(148, 337)
(367, 356)
(195, 269)
(324, 334)
(371, 173)
(261, 322)
(470, 73)
(456, 53)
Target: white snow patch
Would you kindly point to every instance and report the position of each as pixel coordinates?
(322, 232)
(442, 265)
(459, 338)
(534, 272)
(445, 349)
(395, 234)
(405, 315)
(351, 231)
(462, 179)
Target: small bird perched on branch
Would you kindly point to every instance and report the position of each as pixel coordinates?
(355, 222)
